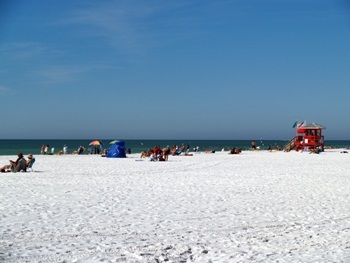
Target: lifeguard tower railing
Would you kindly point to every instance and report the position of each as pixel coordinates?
(305, 141)
(308, 141)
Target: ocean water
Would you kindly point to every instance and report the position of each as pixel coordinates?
(12, 147)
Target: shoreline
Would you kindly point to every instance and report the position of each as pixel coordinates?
(9, 147)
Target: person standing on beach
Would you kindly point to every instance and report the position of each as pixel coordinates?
(166, 152)
(253, 145)
(46, 149)
(65, 149)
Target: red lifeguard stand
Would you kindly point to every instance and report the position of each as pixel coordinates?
(308, 136)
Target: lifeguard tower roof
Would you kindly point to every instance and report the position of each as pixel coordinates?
(312, 125)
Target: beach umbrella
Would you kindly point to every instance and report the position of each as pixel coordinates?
(113, 142)
(95, 143)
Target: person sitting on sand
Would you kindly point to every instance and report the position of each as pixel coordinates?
(316, 150)
(144, 154)
(104, 153)
(174, 149)
(19, 165)
(183, 148)
(153, 157)
(81, 150)
(234, 150)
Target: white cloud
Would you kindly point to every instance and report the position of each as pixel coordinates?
(123, 26)
(132, 27)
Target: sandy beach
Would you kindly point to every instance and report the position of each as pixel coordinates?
(252, 207)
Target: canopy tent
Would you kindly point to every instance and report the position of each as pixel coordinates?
(117, 150)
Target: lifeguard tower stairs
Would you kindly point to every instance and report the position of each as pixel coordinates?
(289, 145)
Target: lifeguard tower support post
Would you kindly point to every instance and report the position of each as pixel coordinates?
(308, 136)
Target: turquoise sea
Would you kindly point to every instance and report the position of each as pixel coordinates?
(12, 147)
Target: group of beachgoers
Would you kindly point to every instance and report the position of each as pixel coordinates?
(234, 150)
(45, 150)
(162, 154)
(20, 165)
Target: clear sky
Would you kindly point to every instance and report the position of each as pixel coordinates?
(146, 69)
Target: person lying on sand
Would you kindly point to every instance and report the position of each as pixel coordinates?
(186, 154)
(8, 167)
(144, 154)
(234, 150)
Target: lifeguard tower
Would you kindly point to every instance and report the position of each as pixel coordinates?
(308, 137)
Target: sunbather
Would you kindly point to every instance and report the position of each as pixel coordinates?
(144, 154)
(8, 167)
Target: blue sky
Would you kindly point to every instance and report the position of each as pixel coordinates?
(238, 69)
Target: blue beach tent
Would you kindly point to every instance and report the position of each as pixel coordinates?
(117, 150)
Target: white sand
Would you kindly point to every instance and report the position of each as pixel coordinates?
(257, 206)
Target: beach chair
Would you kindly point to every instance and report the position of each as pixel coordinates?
(30, 166)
